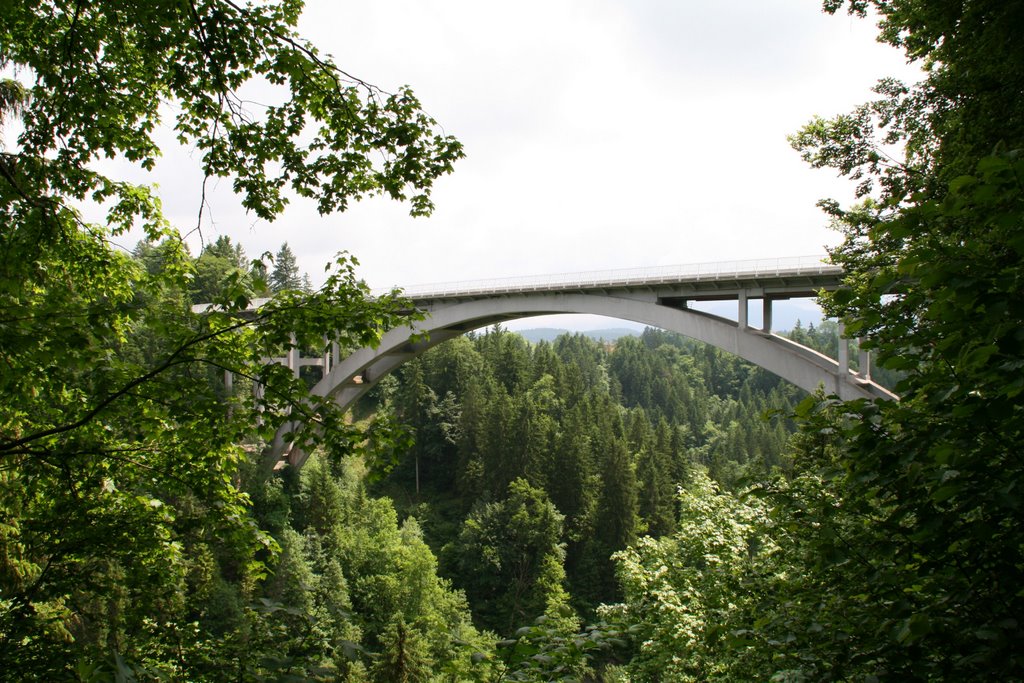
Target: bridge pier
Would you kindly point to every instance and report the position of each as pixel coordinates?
(293, 356)
(295, 361)
(863, 372)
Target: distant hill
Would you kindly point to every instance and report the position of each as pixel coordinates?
(539, 334)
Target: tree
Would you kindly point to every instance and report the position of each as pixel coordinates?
(220, 262)
(232, 252)
(616, 520)
(435, 432)
(118, 455)
(686, 595)
(510, 558)
(375, 586)
(285, 274)
(655, 491)
(932, 256)
(404, 658)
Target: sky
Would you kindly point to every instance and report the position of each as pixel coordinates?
(599, 134)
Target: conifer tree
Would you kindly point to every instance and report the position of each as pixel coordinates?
(572, 484)
(617, 512)
(655, 492)
(404, 657)
(285, 275)
(510, 558)
(231, 251)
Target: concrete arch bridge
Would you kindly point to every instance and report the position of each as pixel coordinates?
(660, 297)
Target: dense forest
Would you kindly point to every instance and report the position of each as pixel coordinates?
(517, 473)
(648, 510)
(604, 434)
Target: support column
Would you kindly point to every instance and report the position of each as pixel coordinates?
(257, 394)
(741, 318)
(229, 391)
(844, 353)
(767, 305)
(293, 357)
(864, 360)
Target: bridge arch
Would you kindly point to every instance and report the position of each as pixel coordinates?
(353, 376)
(659, 297)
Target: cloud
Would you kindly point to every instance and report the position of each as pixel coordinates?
(599, 135)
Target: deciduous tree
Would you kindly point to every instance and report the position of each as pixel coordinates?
(933, 262)
(116, 453)
(510, 557)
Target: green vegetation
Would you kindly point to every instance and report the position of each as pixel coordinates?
(528, 456)
(120, 453)
(930, 488)
(647, 510)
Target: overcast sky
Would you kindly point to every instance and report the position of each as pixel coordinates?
(598, 134)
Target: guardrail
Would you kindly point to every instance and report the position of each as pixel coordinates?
(626, 277)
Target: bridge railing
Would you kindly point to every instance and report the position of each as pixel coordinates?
(652, 275)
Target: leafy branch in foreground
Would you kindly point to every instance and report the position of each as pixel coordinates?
(933, 261)
(120, 450)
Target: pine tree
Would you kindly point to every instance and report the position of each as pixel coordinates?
(285, 275)
(218, 261)
(404, 656)
(615, 524)
(656, 500)
(232, 252)
(617, 515)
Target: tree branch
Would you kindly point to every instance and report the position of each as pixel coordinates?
(174, 359)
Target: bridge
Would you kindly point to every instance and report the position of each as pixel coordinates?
(661, 297)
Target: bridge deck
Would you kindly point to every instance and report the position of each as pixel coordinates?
(796, 276)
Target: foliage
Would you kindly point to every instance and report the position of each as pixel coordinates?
(141, 536)
(511, 558)
(219, 264)
(609, 470)
(553, 648)
(403, 658)
(687, 595)
(120, 449)
(933, 263)
(887, 551)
